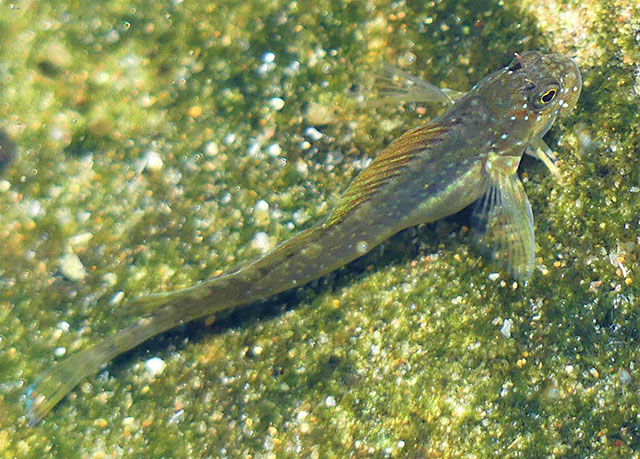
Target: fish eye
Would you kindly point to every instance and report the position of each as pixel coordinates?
(546, 96)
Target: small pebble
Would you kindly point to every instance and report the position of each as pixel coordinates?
(211, 149)
(268, 57)
(59, 351)
(274, 150)
(80, 240)
(625, 377)
(257, 350)
(276, 103)
(301, 167)
(313, 133)
(261, 212)
(506, 328)
(117, 297)
(262, 206)
(195, 111)
(153, 161)
(154, 366)
(72, 268)
(261, 242)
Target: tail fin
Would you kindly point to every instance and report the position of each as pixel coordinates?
(309, 255)
(55, 383)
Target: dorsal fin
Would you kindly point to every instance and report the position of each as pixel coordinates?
(387, 165)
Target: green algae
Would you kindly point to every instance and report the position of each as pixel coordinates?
(398, 354)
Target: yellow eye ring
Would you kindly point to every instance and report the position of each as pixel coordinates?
(548, 96)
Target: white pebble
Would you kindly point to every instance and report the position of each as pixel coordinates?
(334, 157)
(274, 150)
(154, 366)
(305, 145)
(300, 216)
(59, 351)
(257, 350)
(276, 103)
(268, 57)
(153, 161)
(301, 167)
(506, 328)
(117, 297)
(80, 240)
(261, 242)
(313, 133)
(110, 279)
(262, 206)
(625, 377)
(211, 149)
(71, 267)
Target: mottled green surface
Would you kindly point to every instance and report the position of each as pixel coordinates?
(401, 352)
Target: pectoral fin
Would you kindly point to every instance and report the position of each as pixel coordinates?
(505, 225)
(539, 149)
(396, 85)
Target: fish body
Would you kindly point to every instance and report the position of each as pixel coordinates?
(470, 153)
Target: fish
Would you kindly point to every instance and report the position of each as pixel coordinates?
(468, 154)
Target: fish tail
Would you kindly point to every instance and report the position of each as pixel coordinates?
(294, 262)
(55, 383)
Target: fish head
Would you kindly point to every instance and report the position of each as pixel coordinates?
(525, 98)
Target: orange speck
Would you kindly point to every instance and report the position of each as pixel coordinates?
(195, 111)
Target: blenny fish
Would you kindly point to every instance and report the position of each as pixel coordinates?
(470, 153)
